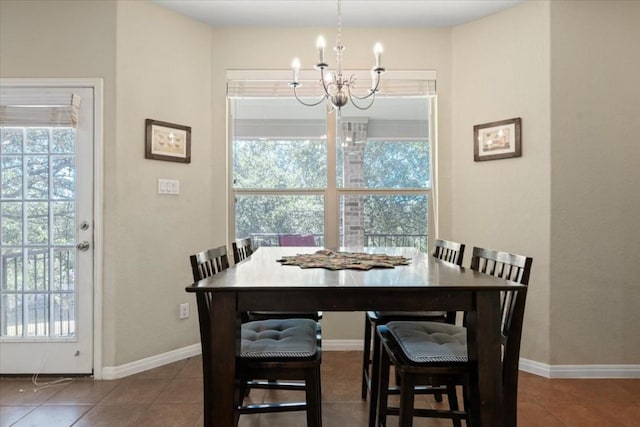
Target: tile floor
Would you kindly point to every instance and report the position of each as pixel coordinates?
(172, 396)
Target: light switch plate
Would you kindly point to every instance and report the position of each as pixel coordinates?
(168, 186)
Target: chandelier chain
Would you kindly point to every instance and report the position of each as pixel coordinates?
(339, 38)
(339, 47)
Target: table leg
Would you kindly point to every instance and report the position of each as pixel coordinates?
(483, 329)
(224, 346)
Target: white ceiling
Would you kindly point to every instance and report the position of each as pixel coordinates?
(323, 13)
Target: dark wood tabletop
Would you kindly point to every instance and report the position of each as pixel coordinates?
(260, 283)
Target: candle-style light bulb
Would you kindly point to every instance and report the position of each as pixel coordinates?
(295, 64)
(329, 77)
(320, 44)
(377, 50)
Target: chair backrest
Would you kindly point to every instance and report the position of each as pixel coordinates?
(516, 268)
(205, 264)
(449, 251)
(242, 249)
(208, 263)
(297, 240)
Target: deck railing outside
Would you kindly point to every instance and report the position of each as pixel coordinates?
(39, 305)
(419, 241)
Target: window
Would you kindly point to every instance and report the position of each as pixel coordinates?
(359, 179)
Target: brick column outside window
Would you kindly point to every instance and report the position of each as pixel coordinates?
(354, 138)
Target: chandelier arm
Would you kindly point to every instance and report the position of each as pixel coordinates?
(324, 83)
(373, 98)
(313, 104)
(371, 91)
(378, 71)
(352, 95)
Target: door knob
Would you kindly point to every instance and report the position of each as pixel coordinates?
(82, 246)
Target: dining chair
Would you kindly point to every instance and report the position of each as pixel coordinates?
(435, 354)
(242, 249)
(286, 349)
(445, 250)
(207, 263)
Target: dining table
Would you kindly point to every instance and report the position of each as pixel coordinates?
(261, 283)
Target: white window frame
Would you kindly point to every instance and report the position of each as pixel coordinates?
(332, 193)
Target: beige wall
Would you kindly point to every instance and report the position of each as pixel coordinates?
(570, 72)
(574, 88)
(163, 73)
(595, 164)
(501, 71)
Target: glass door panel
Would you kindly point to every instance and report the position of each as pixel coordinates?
(46, 283)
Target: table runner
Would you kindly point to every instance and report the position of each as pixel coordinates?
(333, 260)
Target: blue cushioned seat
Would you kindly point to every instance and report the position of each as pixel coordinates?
(430, 342)
(279, 338)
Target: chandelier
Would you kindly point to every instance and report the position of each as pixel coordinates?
(339, 90)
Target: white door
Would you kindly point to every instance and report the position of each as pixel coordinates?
(46, 239)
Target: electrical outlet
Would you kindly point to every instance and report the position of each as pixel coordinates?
(184, 310)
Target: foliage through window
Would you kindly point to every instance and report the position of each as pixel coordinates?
(361, 180)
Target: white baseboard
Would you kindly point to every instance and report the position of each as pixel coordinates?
(115, 372)
(531, 366)
(580, 371)
(342, 345)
